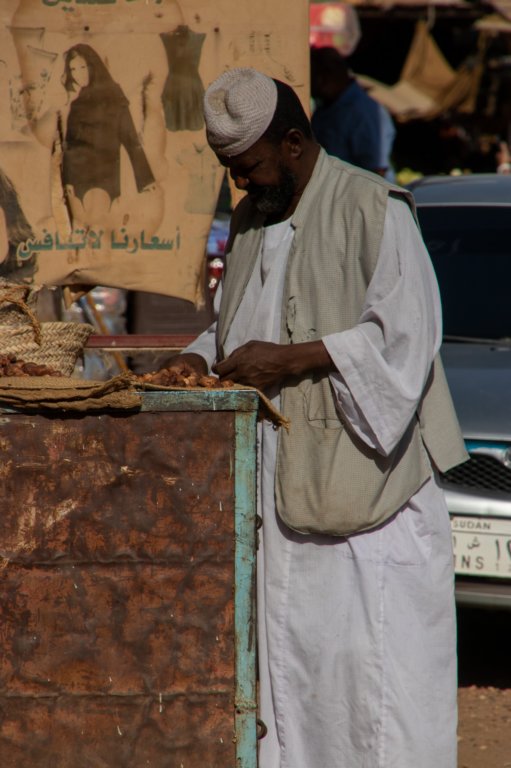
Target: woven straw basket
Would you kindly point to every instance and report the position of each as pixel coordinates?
(17, 303)
(61, 344)
(57, 345)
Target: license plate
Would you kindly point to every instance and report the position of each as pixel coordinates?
(482, 545)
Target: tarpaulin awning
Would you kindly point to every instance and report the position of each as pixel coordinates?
(502, 6)
(493, 22)
(428, 86)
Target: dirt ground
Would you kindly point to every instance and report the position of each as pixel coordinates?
(484, 731)
(484, 694)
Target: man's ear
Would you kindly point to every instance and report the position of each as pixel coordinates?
(293, 143)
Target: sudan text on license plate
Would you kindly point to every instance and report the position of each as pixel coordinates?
(482, 545)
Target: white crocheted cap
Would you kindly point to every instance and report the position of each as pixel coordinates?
(238, 108)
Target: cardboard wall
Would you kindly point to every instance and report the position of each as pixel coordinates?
(106, 177)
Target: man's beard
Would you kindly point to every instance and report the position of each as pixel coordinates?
(274, 199)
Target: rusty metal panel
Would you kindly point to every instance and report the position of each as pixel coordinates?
(117, 632)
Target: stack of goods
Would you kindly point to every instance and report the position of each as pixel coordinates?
(183, 376)
(10, 365)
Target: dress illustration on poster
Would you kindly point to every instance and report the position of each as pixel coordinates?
(183, 91)
(98, 124)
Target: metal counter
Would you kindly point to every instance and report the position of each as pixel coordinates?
(127, 545)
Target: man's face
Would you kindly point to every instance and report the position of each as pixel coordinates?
(275, 197)
(264, 175)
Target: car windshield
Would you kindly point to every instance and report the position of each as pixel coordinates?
(471, 251)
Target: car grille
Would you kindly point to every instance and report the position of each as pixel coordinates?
(482, 472)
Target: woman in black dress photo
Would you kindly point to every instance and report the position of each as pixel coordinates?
(99, 122)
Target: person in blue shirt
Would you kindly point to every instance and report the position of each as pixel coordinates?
(347, 122)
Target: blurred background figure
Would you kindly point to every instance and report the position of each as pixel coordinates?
(346, 121)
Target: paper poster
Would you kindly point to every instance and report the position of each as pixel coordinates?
(106, 177)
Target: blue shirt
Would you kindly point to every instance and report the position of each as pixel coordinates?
(355, 128)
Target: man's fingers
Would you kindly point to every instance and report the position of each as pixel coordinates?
(224, 367)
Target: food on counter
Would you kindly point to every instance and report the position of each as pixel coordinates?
(10, 365)
(183, 375)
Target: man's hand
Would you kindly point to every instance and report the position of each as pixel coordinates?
(257, 363)
(262, 364)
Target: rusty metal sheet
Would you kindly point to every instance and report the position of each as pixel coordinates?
(117, 611)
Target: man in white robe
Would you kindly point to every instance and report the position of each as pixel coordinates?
(356, 634)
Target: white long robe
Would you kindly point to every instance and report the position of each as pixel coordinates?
(357, 640)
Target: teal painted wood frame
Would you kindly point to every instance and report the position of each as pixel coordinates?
(244, 404)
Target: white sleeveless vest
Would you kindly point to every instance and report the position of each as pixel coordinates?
(327, 480)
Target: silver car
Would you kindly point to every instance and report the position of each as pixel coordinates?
(466, 224)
